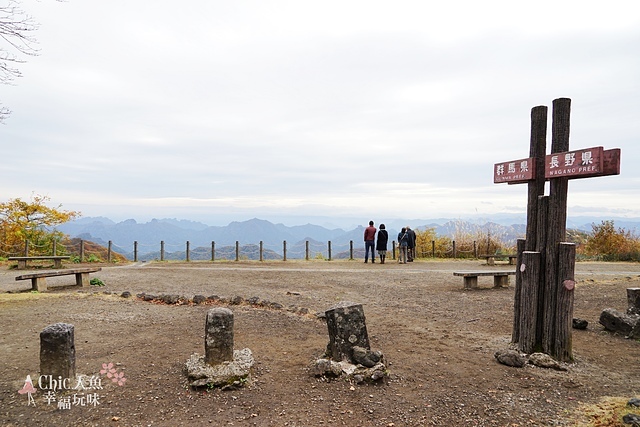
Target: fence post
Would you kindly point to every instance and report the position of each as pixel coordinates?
(187, 251)
(393, 249)
(475, 249)
(261, 249)
(237, 250)
(161, 250)
(351, 250)
(213, 251)
(81, 250)
(284, 250)
(453, 242)
(109, 250)
(306, 250)
(433, 248)
(329, 248)
(26, 247)
(135, 251)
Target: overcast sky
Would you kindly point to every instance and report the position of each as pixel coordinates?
(292, 110)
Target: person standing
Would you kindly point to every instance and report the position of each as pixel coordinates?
(369, 242)
(381, 243)
(403, 243)
(411, 244)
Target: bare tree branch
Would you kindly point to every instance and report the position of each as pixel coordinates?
(16, 28)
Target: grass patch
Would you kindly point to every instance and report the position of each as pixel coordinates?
(606, 413)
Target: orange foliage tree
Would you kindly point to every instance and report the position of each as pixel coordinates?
(31, 221)
(611, 244)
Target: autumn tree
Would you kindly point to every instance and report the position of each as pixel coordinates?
(32, 221)
(612, 244)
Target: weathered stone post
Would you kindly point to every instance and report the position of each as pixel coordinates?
(633, 299)
(218, 340)
(347, 329)
(58, 351)
(221, 366)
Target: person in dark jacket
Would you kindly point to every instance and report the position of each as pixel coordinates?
(403, 241)
(411, 244)
(381, 243)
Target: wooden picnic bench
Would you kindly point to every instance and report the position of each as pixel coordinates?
(22, 260)
(491, 259)
(500, 278)
(38, 280)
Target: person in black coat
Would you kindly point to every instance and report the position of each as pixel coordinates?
(381, 243)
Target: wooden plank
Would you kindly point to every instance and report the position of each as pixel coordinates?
(574, 164)
(484, 273)
(58, 273)
(515, 171)
(38, 257)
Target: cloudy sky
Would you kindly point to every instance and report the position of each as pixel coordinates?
(294, 110)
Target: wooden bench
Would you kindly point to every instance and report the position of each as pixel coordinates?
(491, 259)
(22, 260)
(500, 278)
(38, 280)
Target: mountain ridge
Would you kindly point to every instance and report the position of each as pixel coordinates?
(175, 233)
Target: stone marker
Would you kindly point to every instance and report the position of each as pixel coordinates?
(221, 366)
(58, 351)
(633, 298)
(218, 340)
(347, 329)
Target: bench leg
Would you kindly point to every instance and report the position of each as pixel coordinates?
(491, 261)
(57, 263)
(470, 282)
(22, 264)
(82, 279)
(39, 284)
(501, 281)
(512, 261)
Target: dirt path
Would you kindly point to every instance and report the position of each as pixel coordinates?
(438, 339)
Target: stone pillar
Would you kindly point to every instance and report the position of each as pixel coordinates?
(58, 351)
(218, 340)
(347, 329)
(633, 299)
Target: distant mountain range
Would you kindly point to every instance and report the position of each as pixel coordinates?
(175, 233)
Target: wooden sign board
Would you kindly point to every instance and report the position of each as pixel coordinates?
(515, 171)
(590, 162)
(574, 164)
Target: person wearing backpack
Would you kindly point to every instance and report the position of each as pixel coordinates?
(403, 243)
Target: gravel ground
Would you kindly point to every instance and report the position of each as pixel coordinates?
(438, 341)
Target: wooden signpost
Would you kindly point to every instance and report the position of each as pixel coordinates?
(543, 302)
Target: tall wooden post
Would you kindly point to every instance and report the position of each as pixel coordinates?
(556, 230)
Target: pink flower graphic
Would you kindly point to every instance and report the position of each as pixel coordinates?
(111, 372)
(119, 378)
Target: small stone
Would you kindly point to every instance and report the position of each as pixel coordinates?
(510, 358)
(199, 299)
(580, 324)
(126, 294)
(634, 401)
(543, 360)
